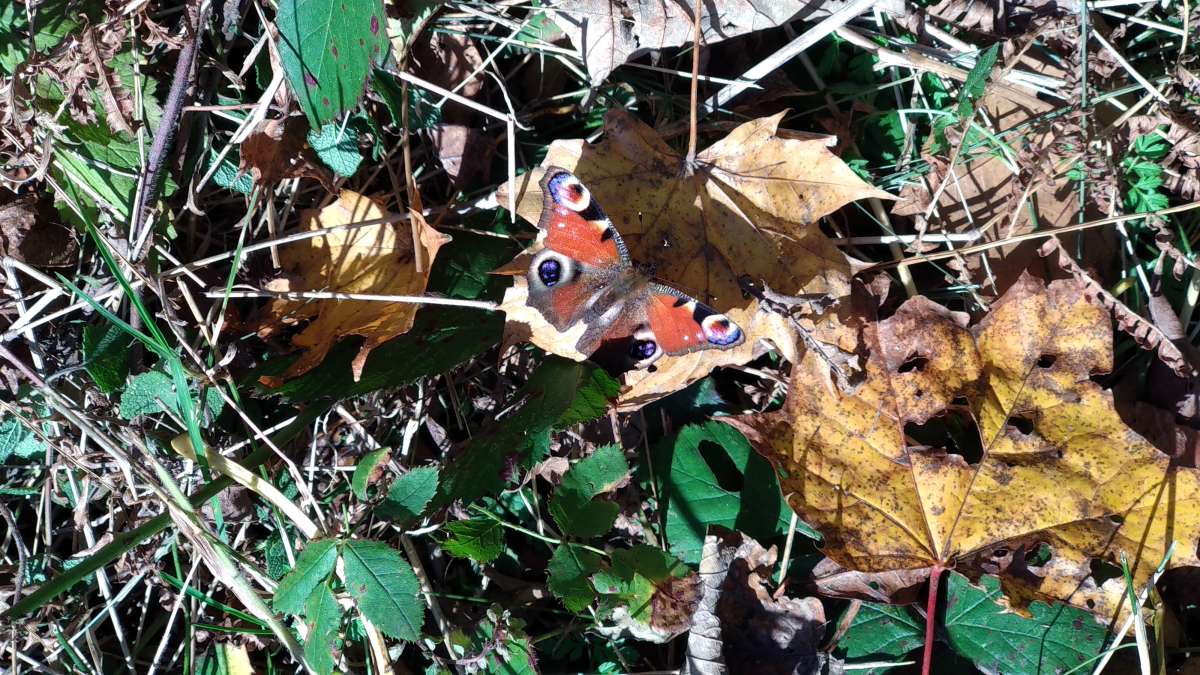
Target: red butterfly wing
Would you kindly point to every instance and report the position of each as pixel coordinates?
(682, 324)
(575, 225)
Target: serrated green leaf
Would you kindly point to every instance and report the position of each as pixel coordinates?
(313, 566)
(336, 146)
(323, 617)
(591, 399)
(18, 441)
(883, 632)
(385, 588)
(523, 435)
(573, 507)
(697, 500)
(569, 570)
(328, 49)
(480, 539)
(976, 81)
(106, 355)
(409, 495)
(634, 577)
(152, 391)
(227, 173)
(52, 21)
(276, 557)
(1056, 639)
(364, 469)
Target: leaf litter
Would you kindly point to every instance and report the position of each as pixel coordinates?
(1058, 470)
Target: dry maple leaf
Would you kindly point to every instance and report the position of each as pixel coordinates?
(377, 259)
(745, 209)
(1060, 474)
(738, 626)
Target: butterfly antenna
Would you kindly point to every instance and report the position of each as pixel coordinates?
(789, 306)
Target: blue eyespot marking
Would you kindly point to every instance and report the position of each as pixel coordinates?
(720, 331)
(550, 272)
(641, 350)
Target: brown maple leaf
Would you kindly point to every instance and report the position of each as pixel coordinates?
(1059, 474)
(375, 259)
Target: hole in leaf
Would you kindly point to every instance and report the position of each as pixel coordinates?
(1021, 423)
(960, 400)
(915, 362)
(728, 476)
(1039, 555)
(1116, 519)
(952, 431)
(1000, 553)
(1102, 571)
(1046, 360)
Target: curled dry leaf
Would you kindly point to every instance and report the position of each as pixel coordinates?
(898, 587)
(30, 231)
(377, 259)
(744, 209)
(1143, 331)
(1059, 475)
(738, 627)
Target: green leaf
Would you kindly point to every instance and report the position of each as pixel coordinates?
(463, 268)
(523, 435)
(385, 588)
(328, 50)
(570, 568)
(444, 337)
(409, 495)
(323, 617)
(886, 632)
(697, 500)
(313, 566)
(227, 173)
(364, 469)
(1056, 639)
(634, 577)
(596, 389)
(976, 82)
(516, 657)
(18, 441)
(573, 507)
(152, 391)
(337, 146)
(52, 21)
(106, 355)
(480, 539)
(276, 557)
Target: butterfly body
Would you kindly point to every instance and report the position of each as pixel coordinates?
(583, 276)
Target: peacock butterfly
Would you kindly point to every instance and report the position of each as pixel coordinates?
(583, 274)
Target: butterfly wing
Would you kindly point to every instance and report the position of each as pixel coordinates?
(574, 224)
(663, 321)
(576, 275)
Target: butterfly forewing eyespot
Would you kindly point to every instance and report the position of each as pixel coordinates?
(568, 191)
(550, 269)
(719, 330)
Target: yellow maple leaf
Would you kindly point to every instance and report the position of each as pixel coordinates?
(1059, 474)
(375, 259)
(745, 208)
